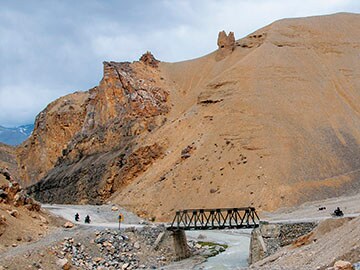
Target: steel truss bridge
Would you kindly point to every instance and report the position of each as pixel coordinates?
(211, 219)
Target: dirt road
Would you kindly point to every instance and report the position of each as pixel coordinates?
(350, 205)
(100, 215)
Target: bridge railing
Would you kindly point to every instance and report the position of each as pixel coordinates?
(208, 219)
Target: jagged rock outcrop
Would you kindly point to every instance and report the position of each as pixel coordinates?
(128, 103)
(12, 193)
(148, 59)
(125, 103)
(226, 44)
(54, 128)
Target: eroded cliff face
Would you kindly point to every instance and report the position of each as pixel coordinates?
(54, 128)
(100, 133)
(130, 100)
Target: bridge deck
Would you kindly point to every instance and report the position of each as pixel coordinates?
(210, 219)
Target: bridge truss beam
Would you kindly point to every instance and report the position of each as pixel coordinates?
(209, 219)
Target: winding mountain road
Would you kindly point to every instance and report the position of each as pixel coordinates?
(100, 215)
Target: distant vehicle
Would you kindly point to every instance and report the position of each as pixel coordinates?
(322, 208)
(337, 213)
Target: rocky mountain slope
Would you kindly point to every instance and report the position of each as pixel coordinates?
(21, 219)
(269, 120)
(15, 136)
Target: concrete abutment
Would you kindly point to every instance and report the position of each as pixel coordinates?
(180, 244)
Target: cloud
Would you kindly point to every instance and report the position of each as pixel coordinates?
(51, 48)
(17, 97)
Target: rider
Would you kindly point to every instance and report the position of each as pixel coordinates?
(87, 219)
(338, 212)
(77, 217)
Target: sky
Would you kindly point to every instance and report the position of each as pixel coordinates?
(52, 48)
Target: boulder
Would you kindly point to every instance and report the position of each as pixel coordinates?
(2, 219)
(114, 208)
(98, 259)
(3, 194)
(44, 220)
(186, 152)
(125, 266)
(34, 206)
(343, 265)
(14, 213)
(63, 263)
(137, 245)
(68, 224)
(13, 189)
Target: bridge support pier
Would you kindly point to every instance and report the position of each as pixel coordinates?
(181, 248)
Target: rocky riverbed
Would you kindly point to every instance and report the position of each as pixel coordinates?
(87, 247)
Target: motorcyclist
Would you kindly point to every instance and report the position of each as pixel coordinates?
(338, 212)
(87, 219)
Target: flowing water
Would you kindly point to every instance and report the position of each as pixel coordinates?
(234, 257)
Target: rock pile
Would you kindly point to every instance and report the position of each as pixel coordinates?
(116, 253)
(150, 234)
(12, 193)
(116, 249)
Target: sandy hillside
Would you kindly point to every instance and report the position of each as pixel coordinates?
(274, 123)
(22, 221)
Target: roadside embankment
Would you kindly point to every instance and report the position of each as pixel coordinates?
(270, 237)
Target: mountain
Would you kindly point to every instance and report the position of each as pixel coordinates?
(269, 120)
(15, 136)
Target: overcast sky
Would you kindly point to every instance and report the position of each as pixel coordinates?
(51, 48)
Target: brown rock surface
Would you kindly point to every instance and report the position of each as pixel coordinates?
(104, 154)
(20, 219)
(274, 123)
(148, 59)
(54, 128)
(343, 265)
(68, 225)
(226, 44)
